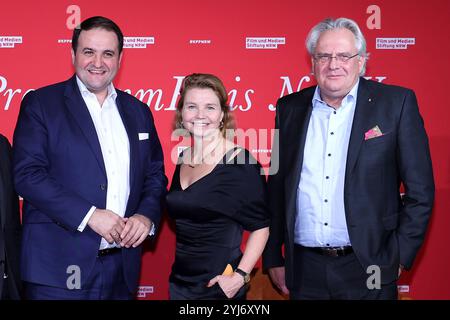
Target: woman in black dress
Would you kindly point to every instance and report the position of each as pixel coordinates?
(218, 190)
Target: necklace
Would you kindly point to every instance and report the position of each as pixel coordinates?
(194, 164)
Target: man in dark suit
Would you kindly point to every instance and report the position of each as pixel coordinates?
(345, 146)
(10, 284)
(89, 165)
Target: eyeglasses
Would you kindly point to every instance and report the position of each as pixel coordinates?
(326, 57)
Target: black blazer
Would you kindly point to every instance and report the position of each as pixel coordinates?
(384, 230)
(10, 230)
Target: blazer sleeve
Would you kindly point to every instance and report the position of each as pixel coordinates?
(31, 169)
(415, 168)
(272, 255)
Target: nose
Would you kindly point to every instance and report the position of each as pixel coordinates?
(334, 63)
(97, 61)
(200, 113)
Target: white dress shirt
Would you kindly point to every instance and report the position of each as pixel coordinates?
(115, 148)
(320, 219)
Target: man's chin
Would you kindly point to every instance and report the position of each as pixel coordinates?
(96, 87)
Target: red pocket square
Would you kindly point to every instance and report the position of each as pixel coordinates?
(373, 133)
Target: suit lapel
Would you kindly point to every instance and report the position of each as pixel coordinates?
(128, 122)
(301, 117)
(361, 123)
(77, 107)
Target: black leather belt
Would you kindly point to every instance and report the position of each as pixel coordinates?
(108, 251)
(332, 251)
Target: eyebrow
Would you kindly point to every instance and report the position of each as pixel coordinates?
(91, 49)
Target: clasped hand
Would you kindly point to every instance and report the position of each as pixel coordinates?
(126, 232)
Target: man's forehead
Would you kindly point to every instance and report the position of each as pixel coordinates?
(90, 38)
(337, 37)
(93, 31)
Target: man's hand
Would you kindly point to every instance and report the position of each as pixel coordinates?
(137, 228)
(277, 276)
(107, 224)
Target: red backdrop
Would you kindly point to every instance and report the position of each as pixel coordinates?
(257, 48)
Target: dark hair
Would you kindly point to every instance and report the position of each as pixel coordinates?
(94, 23)
(205, 81)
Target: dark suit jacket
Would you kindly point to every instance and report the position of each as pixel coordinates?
(10, 228)
(383, 229)
(60, 173)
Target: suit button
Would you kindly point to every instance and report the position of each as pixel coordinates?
(103, 186)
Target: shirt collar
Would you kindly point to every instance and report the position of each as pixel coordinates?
(85, 91)
(350, 97)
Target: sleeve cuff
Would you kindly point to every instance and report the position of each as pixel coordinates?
(86, 219)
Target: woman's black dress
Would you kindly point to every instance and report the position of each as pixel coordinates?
(210, 216)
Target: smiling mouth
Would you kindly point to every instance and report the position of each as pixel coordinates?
(99, 72)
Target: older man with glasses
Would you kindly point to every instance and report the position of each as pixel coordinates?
(345, 147)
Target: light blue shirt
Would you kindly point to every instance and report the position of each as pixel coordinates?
(320, 219)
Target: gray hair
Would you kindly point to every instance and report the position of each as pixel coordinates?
(330, 24)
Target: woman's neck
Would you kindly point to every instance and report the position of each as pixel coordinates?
(205, 148)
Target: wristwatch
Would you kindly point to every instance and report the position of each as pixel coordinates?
(244, 274)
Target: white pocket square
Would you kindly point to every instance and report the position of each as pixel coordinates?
(143, 135)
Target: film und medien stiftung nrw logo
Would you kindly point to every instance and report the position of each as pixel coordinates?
(394, 43)
(144, 290)
(138, 42)
(264, 42)
(9, 41)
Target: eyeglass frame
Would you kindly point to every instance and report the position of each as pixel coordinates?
(340, 57)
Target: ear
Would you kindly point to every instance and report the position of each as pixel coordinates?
(73, 56)
(120, 57)
(361, 62)
(313, 65)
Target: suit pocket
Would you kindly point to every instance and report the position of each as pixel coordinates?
(390, 222)
(381, 139)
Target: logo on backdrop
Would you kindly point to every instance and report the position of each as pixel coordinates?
(9, 41)
(137, 42)
(200, 41)
(264, 42)
(143, 291)
(394, 43)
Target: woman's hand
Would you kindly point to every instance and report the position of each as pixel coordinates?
(230, 285)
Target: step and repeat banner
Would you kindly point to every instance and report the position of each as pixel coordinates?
(257, 48)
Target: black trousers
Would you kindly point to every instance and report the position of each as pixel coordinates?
(321, 277)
